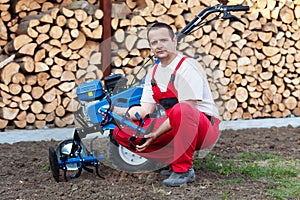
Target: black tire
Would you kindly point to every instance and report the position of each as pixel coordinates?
(125, 160)
(54, 166)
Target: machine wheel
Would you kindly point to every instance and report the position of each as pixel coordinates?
(54, 166)
(125, 160)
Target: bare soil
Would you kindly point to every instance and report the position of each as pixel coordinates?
(25, 172)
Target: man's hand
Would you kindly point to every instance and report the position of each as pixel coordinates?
(149, 138)
(164, 127)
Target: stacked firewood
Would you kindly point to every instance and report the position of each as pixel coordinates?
(48, 48)
(262, 70)
(253, 69)
(52, 52)
(12, 11)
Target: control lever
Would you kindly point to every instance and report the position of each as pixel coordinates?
(227, 15)
(138, 131)
(149, 129)
(136, 135)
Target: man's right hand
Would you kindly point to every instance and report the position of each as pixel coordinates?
(149, 139)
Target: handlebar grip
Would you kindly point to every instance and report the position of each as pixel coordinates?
(236, 8)
(180, 36)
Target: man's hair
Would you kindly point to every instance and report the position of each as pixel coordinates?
(159, 25)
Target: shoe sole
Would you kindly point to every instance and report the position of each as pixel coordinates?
(177, 185)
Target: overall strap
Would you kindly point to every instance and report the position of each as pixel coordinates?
(177, 67)
(153, 81)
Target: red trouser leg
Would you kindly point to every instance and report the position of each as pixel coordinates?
(176, 147)
(187, 124)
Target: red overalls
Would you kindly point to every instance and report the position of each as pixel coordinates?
(191, 130)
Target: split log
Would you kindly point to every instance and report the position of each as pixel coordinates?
(59, 123)
(79, 42)
(8, 71)
(15, 89)
(50, 95)
(42, 78)
(7, 60)
(50, 107)
(28, 49)
(37, 92)
(30, 118)
(56, 71)
(69, 119)
(66, 86)
(36, 107)
(60, 111)
(18, 42)
(20, 124)
(3, 123)
(56, 32)
(8, 113)
(51, 83)
(39, 124)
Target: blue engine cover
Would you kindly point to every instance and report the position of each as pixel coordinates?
(133, 96)
(90, 91)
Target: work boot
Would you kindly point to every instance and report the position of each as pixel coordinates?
(177, 179)
(165, 172)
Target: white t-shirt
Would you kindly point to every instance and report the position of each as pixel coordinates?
(190, 82)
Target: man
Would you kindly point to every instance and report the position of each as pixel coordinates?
(179, 84)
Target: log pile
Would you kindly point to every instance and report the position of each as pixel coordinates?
(48, 48)
(12, 11)
(254, 70)
(262, 72)
(51, 53)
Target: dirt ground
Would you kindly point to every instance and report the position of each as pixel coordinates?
(24, 173)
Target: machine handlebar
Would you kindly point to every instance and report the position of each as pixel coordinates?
(220, 8)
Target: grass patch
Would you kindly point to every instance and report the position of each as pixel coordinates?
(161, 191)
(282, 175)
(285, 189)
(225, 196)
(46, 167)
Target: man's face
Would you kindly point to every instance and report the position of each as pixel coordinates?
(161, 44)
